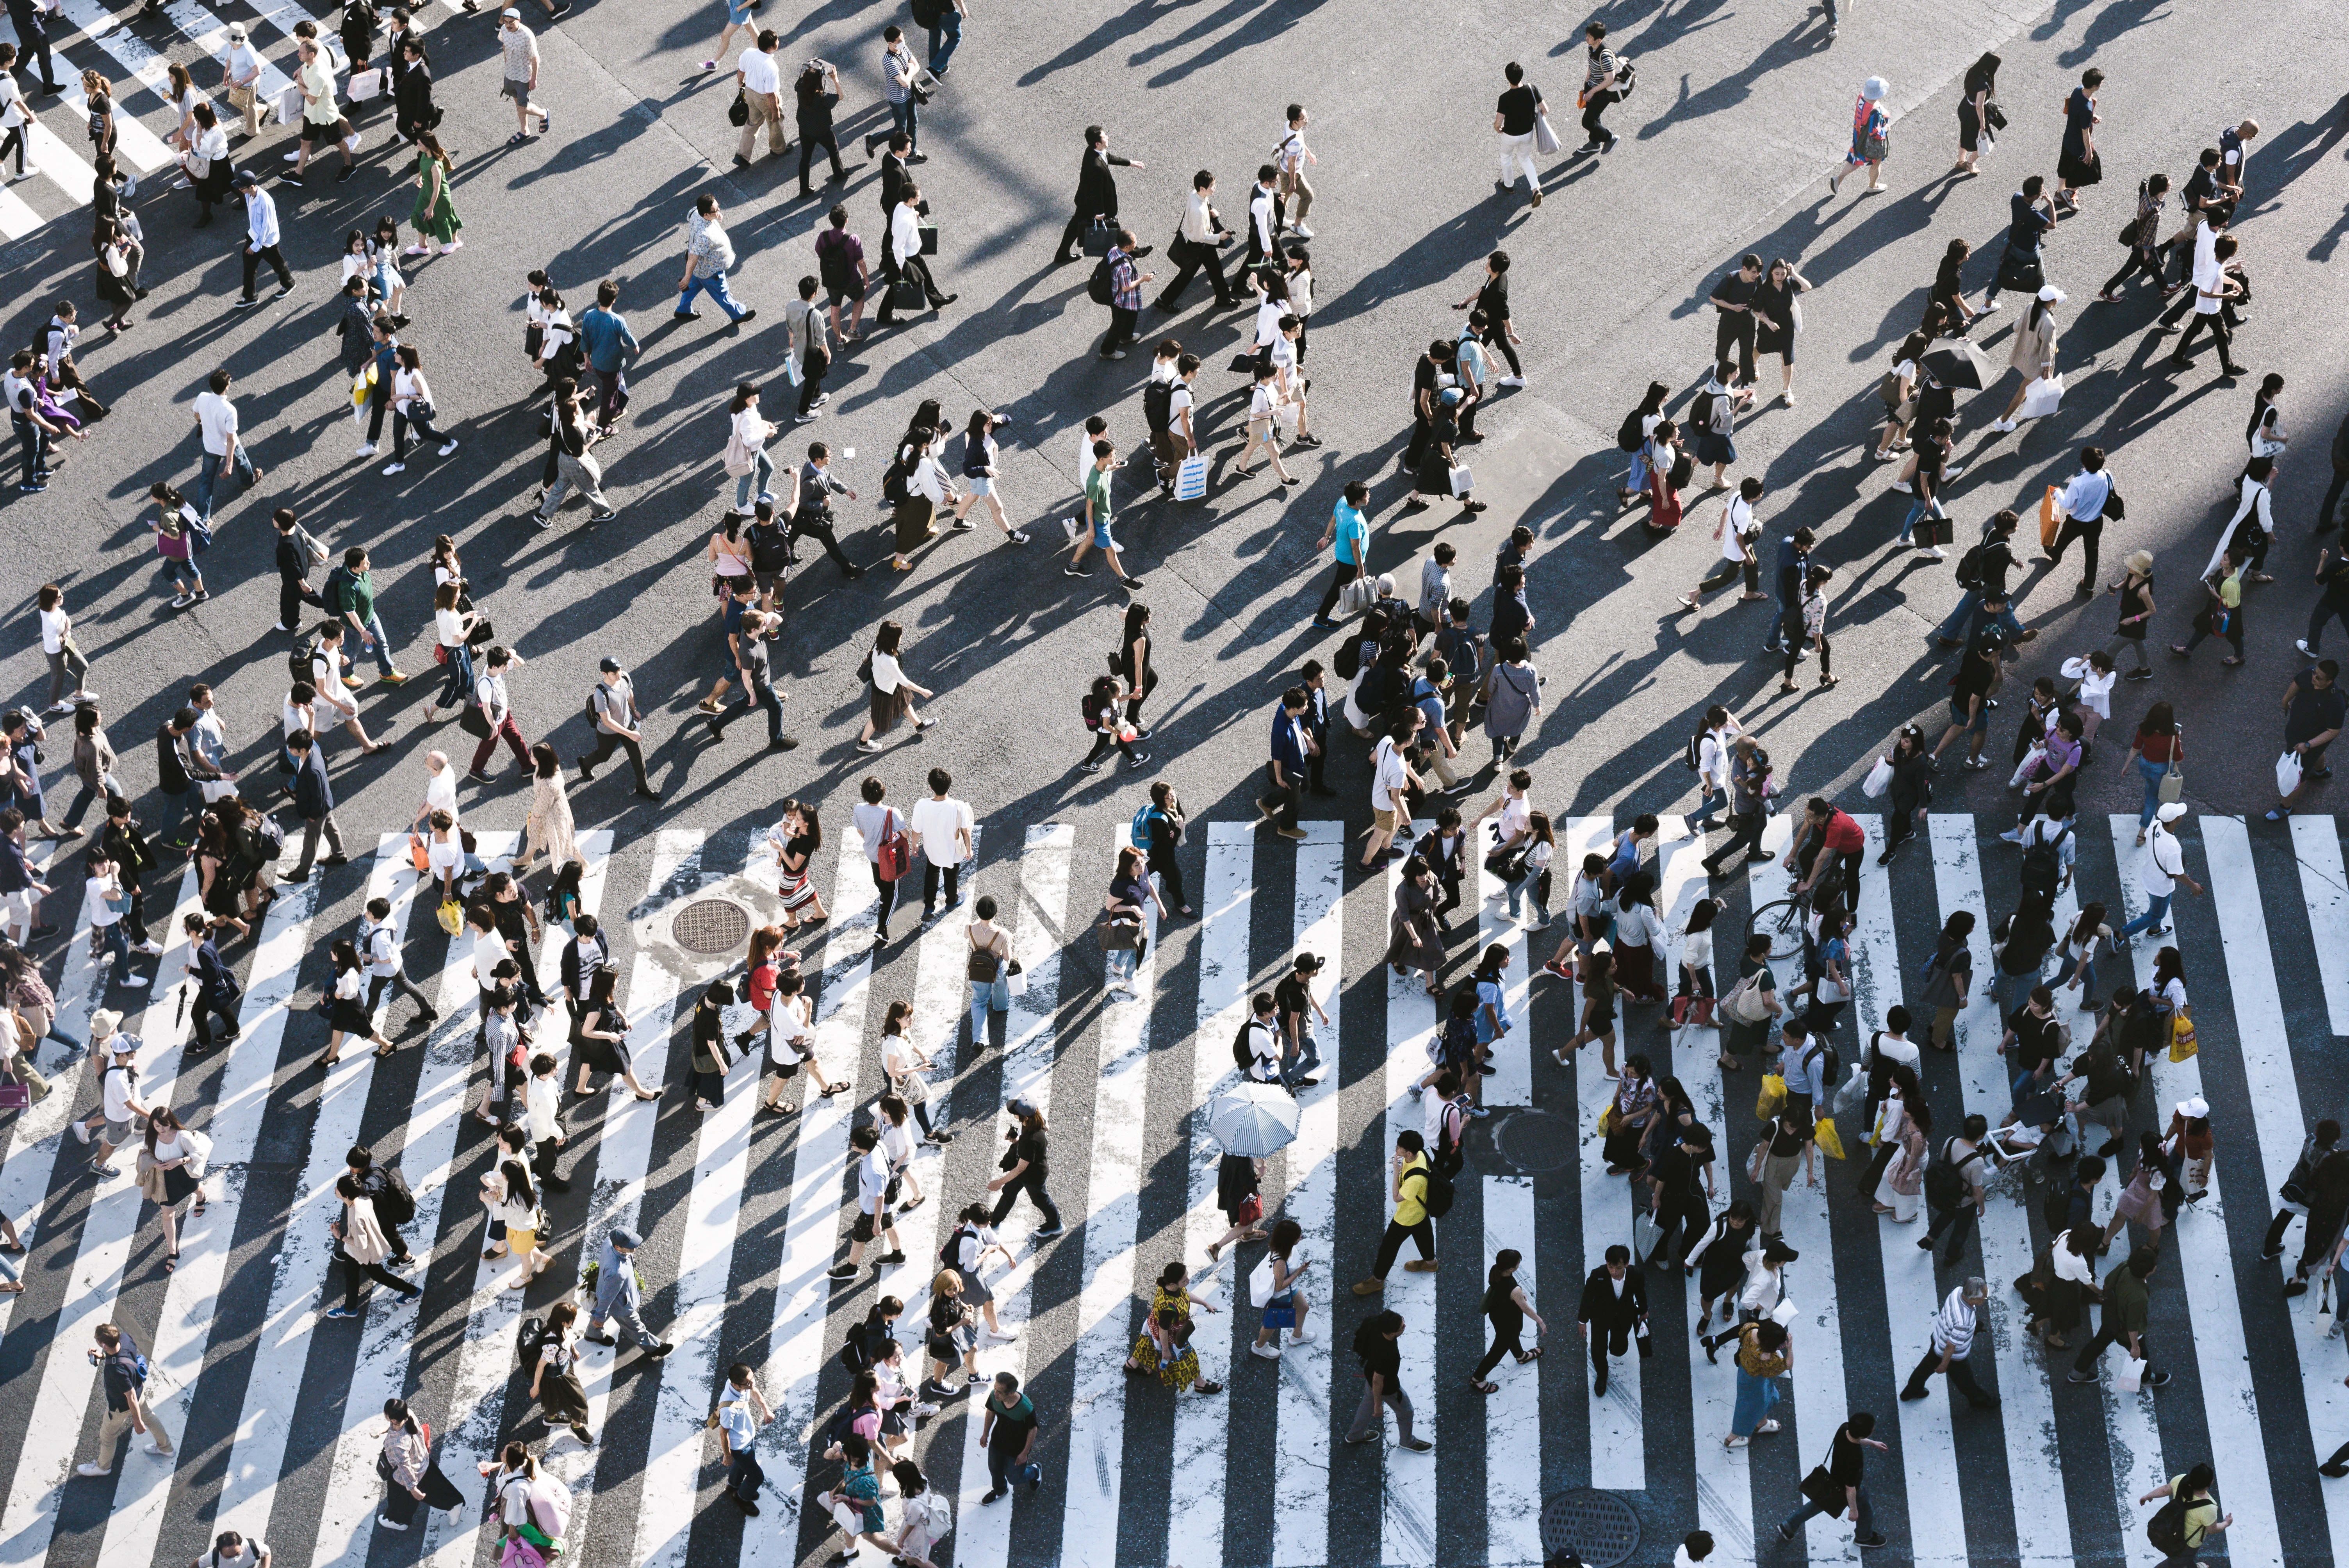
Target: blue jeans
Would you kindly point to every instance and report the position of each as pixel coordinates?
(2152, 773)
(1526, 887)
(211, 468)
(1120, 961)
(373, 627)
(2150, 920)
(904, 117)
(1710, 800)
(2088, 980)
(188, 809)
(988, 996)
(2013, 989)
(1919, 509)
(119, 944)
(1809, 1509)
(945, 38)
(716, 284)
(762, 470)
(1309, 1058)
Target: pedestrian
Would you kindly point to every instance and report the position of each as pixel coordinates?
(840, 263)
(709, 253)
(1410, 1182)
(1026, 1172)
(224, 448)
(67, 664)
(412, 404)
(1813, 622)
(493, 712)
(35, 426)
(1871, 141)
(555, 1374)
(1287, 768)
(124, 1372)
(508, 1195)
(322, 119)
(2250, 545)
(1975, 122)
(1164, 1349)
(388, 1191)
(941, 827)
(1009, 1432)
(362, 1249)
(2186, 1522)
(2222, 605)
(893, 691)
(2077, 165)
(314, 802)
(2314, 708)
(1953, 1192)
(348, 1012)
(413, 110)
(1514, 120)
(2294, 1198)
(2143, 239)
(1605, 82)
(574, 431)
(1614, 1307)
(1096, 200)
(910, 285)
(2213, 289)
(1099, 513)
(742, 1411)
(1777, 321)
(620, 1295)
(758, 92)
(1380, 1358)
(2083, 502)
(410, 1474)
(1735, 325)
(2034, 353)
(902, 89)
(1125, 283)
(1764, 1356)
(518, 50)
(604, 332)
(1835, 1487)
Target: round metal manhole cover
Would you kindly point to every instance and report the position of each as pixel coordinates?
(711, 927)
(1535, 1140)
(1597, 1527)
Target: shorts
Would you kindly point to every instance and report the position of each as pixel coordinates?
(521, 1244)
(782, 1069)
(767, 582)
(850, 293)
(978, 486)
(737, 14)
(1978, 724)
(1282, 1313)
(313, 131)
(518, 91)
(1102, 540)
(117, 1134)
(1385, 820)
(867, 1226)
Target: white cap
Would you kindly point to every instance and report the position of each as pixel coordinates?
(2171, 812)
(2194, 1108)
(509, 11)
(2051, 294)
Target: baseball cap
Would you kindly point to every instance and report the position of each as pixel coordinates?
(625, 1240)
(611, 667)
(247, 180)
(509, 11)
(2171, 812)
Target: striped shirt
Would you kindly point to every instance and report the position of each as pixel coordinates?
(1953, 1330)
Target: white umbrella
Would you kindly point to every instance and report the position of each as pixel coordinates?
(1253, 1120)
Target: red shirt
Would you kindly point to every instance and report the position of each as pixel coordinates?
(1843, 835)
(762, 985)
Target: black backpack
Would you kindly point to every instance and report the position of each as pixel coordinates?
(1945, 1184)
(1347, 662)
(337, 588)
(1158, 405)
(297, 662)
(1831, 1066)
(394, 1203)
(1243, 1055)
(529, 1338)
(2166, 1528)
(1629, 437)
(2043, 865)
(1438, 1198)
(1969, 568)
(1100, 288)
(2056, 1209)
(928, 13)
(1684, 469)
(893, 484)
(1689, 759)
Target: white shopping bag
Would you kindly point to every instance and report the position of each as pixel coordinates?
(1260, 1283)
(1015, 982)
(1879, 779)
(365, 84)
(1545, 139)
(289, 106)
(2041, 399)
(2132, 1378)
(2288, 773)
(1191, 477)
(1463, 481)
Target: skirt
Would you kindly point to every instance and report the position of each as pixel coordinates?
(1756, 1397)
(177, 1185)
(2140, 1205)
(975, 1292)
(1716, 448)
(889, 708)
(915, 519)
(795, 886)
(596, 1054)
(1969, 127)
(1635, 972)
(350, 1015)
(562, 1398)
(2078, 171)
(1178, 1374)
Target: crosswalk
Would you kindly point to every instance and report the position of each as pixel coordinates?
(273, 1409)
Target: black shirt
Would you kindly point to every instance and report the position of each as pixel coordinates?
(2030, 222)
(1516, 110)
(2334, 577)
(1492, 299)
(1846, 1460)
(1291, 998)
(2200, 186)
(1422, 380)
(1030, 1148)
(2312, 712)
(1932, 457)
(293, 560)
(1997, 556)
(1979, 81)
(1734, 290)
(1974, 678)
(1378, 1355)
(2035, 1041)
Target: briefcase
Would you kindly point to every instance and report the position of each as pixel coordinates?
(1099, 236)
(906, 294)
(929, 232)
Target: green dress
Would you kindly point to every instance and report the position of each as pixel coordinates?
(439, 219)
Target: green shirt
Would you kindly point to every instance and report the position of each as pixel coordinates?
(362, 592)
(1097, 492)
(2125, 1301)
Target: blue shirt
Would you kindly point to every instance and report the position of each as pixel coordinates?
(2030, 222)
(1353, 532)
(607, 338)
(1430, 701)
(1289, 743)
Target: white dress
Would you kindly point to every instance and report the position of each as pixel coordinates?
(550, 829)
(1893, 1126)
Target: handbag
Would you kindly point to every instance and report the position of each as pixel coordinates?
(474, 722)
(2041, 399)
(1509, 865)
(2051, 516)
(14, 1096)
(1692, 1010)
(421, 408)
(737, 113)
(290, 104)
(1463, 481)
(419, 854)
(905, 294)
(1250, 1211)
(1191, 477)
(2172, 787)
(1545, 139)
(1100, 234)
(451, 916)
(1120, 935)
(1830, 992)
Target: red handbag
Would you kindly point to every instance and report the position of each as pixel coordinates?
(897, 854)
(1250, 1211)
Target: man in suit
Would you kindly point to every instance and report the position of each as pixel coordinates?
(1614, 1305)
(1316, 682)
(314, 802)
(33, 38)
(1096, 191)
(1289, 752)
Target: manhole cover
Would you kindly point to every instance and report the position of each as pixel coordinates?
(1596, 1526)
(711, 927)
(1535, 1140)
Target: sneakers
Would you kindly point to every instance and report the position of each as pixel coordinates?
(841, 1270)
(395, 468)
(1268, 1351)
(1513, 381)
(448, 446)
(366, 449)
(342, 1312)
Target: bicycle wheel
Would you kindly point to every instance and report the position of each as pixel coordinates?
(1782, 919)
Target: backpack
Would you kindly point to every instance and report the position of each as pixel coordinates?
(272, 835)
(337, 590)
(1243, 1050)
(1945, 1183)
(896, 856)
(948, 1254)
(1695, 749)
(1683, 469)
(1969, 568)
(1100, 288)
(1627, 77)
(2043, 865)
(394, 1203)
(1438, 1196)
(529, 1338)
(1347, 662)
(1141, 828)
(928, 13)
(297, 662)
(1158, 405)
(1449, 1156)
(893, 484)
(2056, 1209)
(1629, 436)
(2166, 1528)
(1831, 1066)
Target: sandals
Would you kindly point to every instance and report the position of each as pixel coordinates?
(1526, 1356)
(1483, 1387)
(385, 1051)
(1208, 1385)
(170, 1261)
(648, 1095)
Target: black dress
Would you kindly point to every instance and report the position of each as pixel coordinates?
(1778, 304)
(1970, 126)
(594, 1053)
(2076, 166)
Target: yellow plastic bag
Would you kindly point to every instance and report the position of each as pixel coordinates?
(1607, 1119)
(1829, 1140)
(1773, 1096)
(451, 915)
(363, 385)
(2181, 1038)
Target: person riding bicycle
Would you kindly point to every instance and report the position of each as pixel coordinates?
(1824, 827)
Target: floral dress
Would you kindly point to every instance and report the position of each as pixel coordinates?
(1180, 1370)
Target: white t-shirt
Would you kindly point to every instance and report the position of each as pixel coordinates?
(441, 792)
(95, 892)
(379, 946)
(871, 1179)
(240, 63)
(489, 951)
(1264, 1050)
(1269, 313)
(449, 624)
(1740, 531)
(758, 72)
(886, 674)
(448, 855)
(1898, 1048)
(1696, 950)
(218, 415)
(787, 1031)
(937, 823)
(55, 625)
(2164, 861)
(117, 1095)
(1389, 775)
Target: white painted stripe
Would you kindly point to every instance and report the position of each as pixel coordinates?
(60, 163)
(427, 1151)
(136, 147)
(17, 219)
(1821, 1405)
(1724, 1492)
(688, 1380)
(2325, 889)
(68, 1377)
(1619, 1454)
(1203, 1426)
(811, 1236)
(1407, 1526)
(1300, 1523)
(2277, 1114)
(1113, 1277)
(1513, 1449)
(2198, 1239)
(148, 69)
(1512, 1082)
(983, 1533)
(192, 1292)
(1926, 1446)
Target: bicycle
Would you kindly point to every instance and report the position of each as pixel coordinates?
(1787, 923)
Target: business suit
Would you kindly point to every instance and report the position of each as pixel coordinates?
(33, 41)
(1096, 195)
(216, 993)
(1612, 1318)
(314, 802)
(1317, 729)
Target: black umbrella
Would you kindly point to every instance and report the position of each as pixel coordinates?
(1960, 364)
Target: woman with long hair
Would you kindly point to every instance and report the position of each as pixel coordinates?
(2157, 749)
(1132, 662)
(410, 1474)
(1643, 419)
(599, 1040)
(508, 1195)
(1979, 87)
(1898, 393)
(173, 1170)
(216, 880)
(1948, 976)
(980, 475)
(207, 162)
(893, 691)
(451, 626)
(363, 1249)
(434, 216)
(412, 408)
(795, 845)
(555, 1376)
(550, 829)
(1100, 708)
(1639, 936)
(347, 1010)
(117, 282)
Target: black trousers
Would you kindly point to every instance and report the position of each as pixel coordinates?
(1281, 801)
(13, 141)
(1496, 338)
(1594, 132)
(758, 695)
(819, 528)
(807, 145)
(1032, 1182)
(930, 874)
(1503, 1345)
(2220, 328)
(1421, 427)
(1390, 1244)
(1079, 221)
(606, 744)
(252, 260)
(541, 1164)
(1735, 330)
(611, 393)
(1606, 1342)
(1122, 323)
(2108, 1335)
(2332, 498)
(1346, 572)
(356, 1275)
(1961, 1378)
(888, 900)
(916, 269)
(1744, 832)
(398, 985)
(1171, 874)
(2088, 531)
(1190, 261)
(292, 592)
(208, 1007)
(1690, 1213)
(2141, 259)
(814, 368)
(40, 51)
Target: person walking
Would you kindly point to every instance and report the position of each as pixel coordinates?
(1027, 1170)
(2213, 291)
(604, 332)
(1506, 1306)
(362, 1249)
(1380, 1358)
(1409, 1179)
(741, 1412)
(619, 726)
(1953, 1190)
(2077, 166)
(2189, 1517)
(124, 1372)
(224, 448)
(2163, 869)
(1514, 119)
(816, 94)
(518, 52)
(322, 119)
(1007, 1432)
(1871, 141)
(2126, 1307)
(1952, 1346)
(1601, 76)
(758, 90)
(941, 827)
(410, 1474)
(1836, 1486)
(907, 275)
(314, 802)
(1096, 201)
(620, 1296)
(709, 253)
(2034, 353)
(1125, 283)
(493, 713)
(575, 468)
(1613, 1310)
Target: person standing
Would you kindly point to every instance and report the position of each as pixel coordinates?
(118, 1359)
(620, 1295)
(1734, 325)
(941, 828)
(1514, 121)
(760, 89)
(1096, 193)
(223, 446)
(707, 256)
(261, 239)
(1598, 92)
(1952, 1347)
(518, 47)
(1835, 1486)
